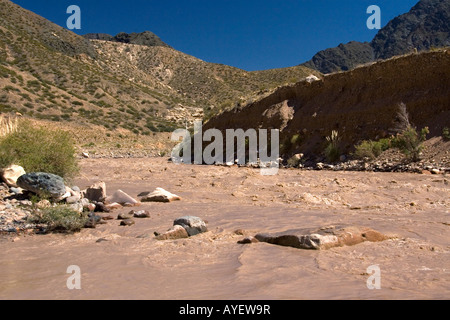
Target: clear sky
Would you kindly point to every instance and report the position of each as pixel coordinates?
(248, 34)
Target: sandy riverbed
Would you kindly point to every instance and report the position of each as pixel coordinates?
(413, 209)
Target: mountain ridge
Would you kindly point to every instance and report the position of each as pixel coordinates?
(146, 38)
(425, 26)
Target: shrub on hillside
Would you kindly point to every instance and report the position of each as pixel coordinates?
(372, 149)
(332, 151)
(446, 134)
(410, 142)
(38, 149)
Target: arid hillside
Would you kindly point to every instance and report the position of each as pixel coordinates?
(360, 104)
(48, 72)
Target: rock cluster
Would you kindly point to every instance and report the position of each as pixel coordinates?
(184, 227)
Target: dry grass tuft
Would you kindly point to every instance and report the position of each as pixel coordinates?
(8, 125)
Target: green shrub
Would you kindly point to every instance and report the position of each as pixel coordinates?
(410, 142)
(332, 151)
(60, 219)
(446, 134)
(38, 149)
(372, 149)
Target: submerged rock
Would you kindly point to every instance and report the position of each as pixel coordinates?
(322, 239)
(43, 184)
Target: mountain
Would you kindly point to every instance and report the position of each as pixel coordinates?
(145, 38)
(425, 26)
(127, 82)
(342, 58)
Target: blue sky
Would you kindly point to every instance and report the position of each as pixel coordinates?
(248, 34)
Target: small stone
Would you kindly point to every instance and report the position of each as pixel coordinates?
(101, 240)
(91, 207)
(426, 172)
(177, 232)
(101, 207)
(248, 240)
(15, 190)
(193, 225)
(72, 199)
(127, 223)
(91, 223)
(108, 218)
(85, 155)
(125, 216)
(141, 214)
(435, 171)
(114, 206)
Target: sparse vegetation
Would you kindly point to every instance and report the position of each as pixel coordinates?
(410, 142)
(8, 125)
(372, 149)
(38, 149)
(446, 134)
(332, 151)
(60, 219)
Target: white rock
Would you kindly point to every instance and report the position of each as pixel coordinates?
(122, 198)
(161, 195)
(11, 174)
(312, 78)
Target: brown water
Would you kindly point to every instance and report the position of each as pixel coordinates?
(414, 209)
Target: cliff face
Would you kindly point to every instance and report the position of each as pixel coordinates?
(359, 104)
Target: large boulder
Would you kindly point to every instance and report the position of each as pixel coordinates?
(10, 175)
(193, 225)
(160, 195)
(323, 238)
(43, 184)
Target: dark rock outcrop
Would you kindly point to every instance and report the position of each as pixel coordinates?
(145, 38)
